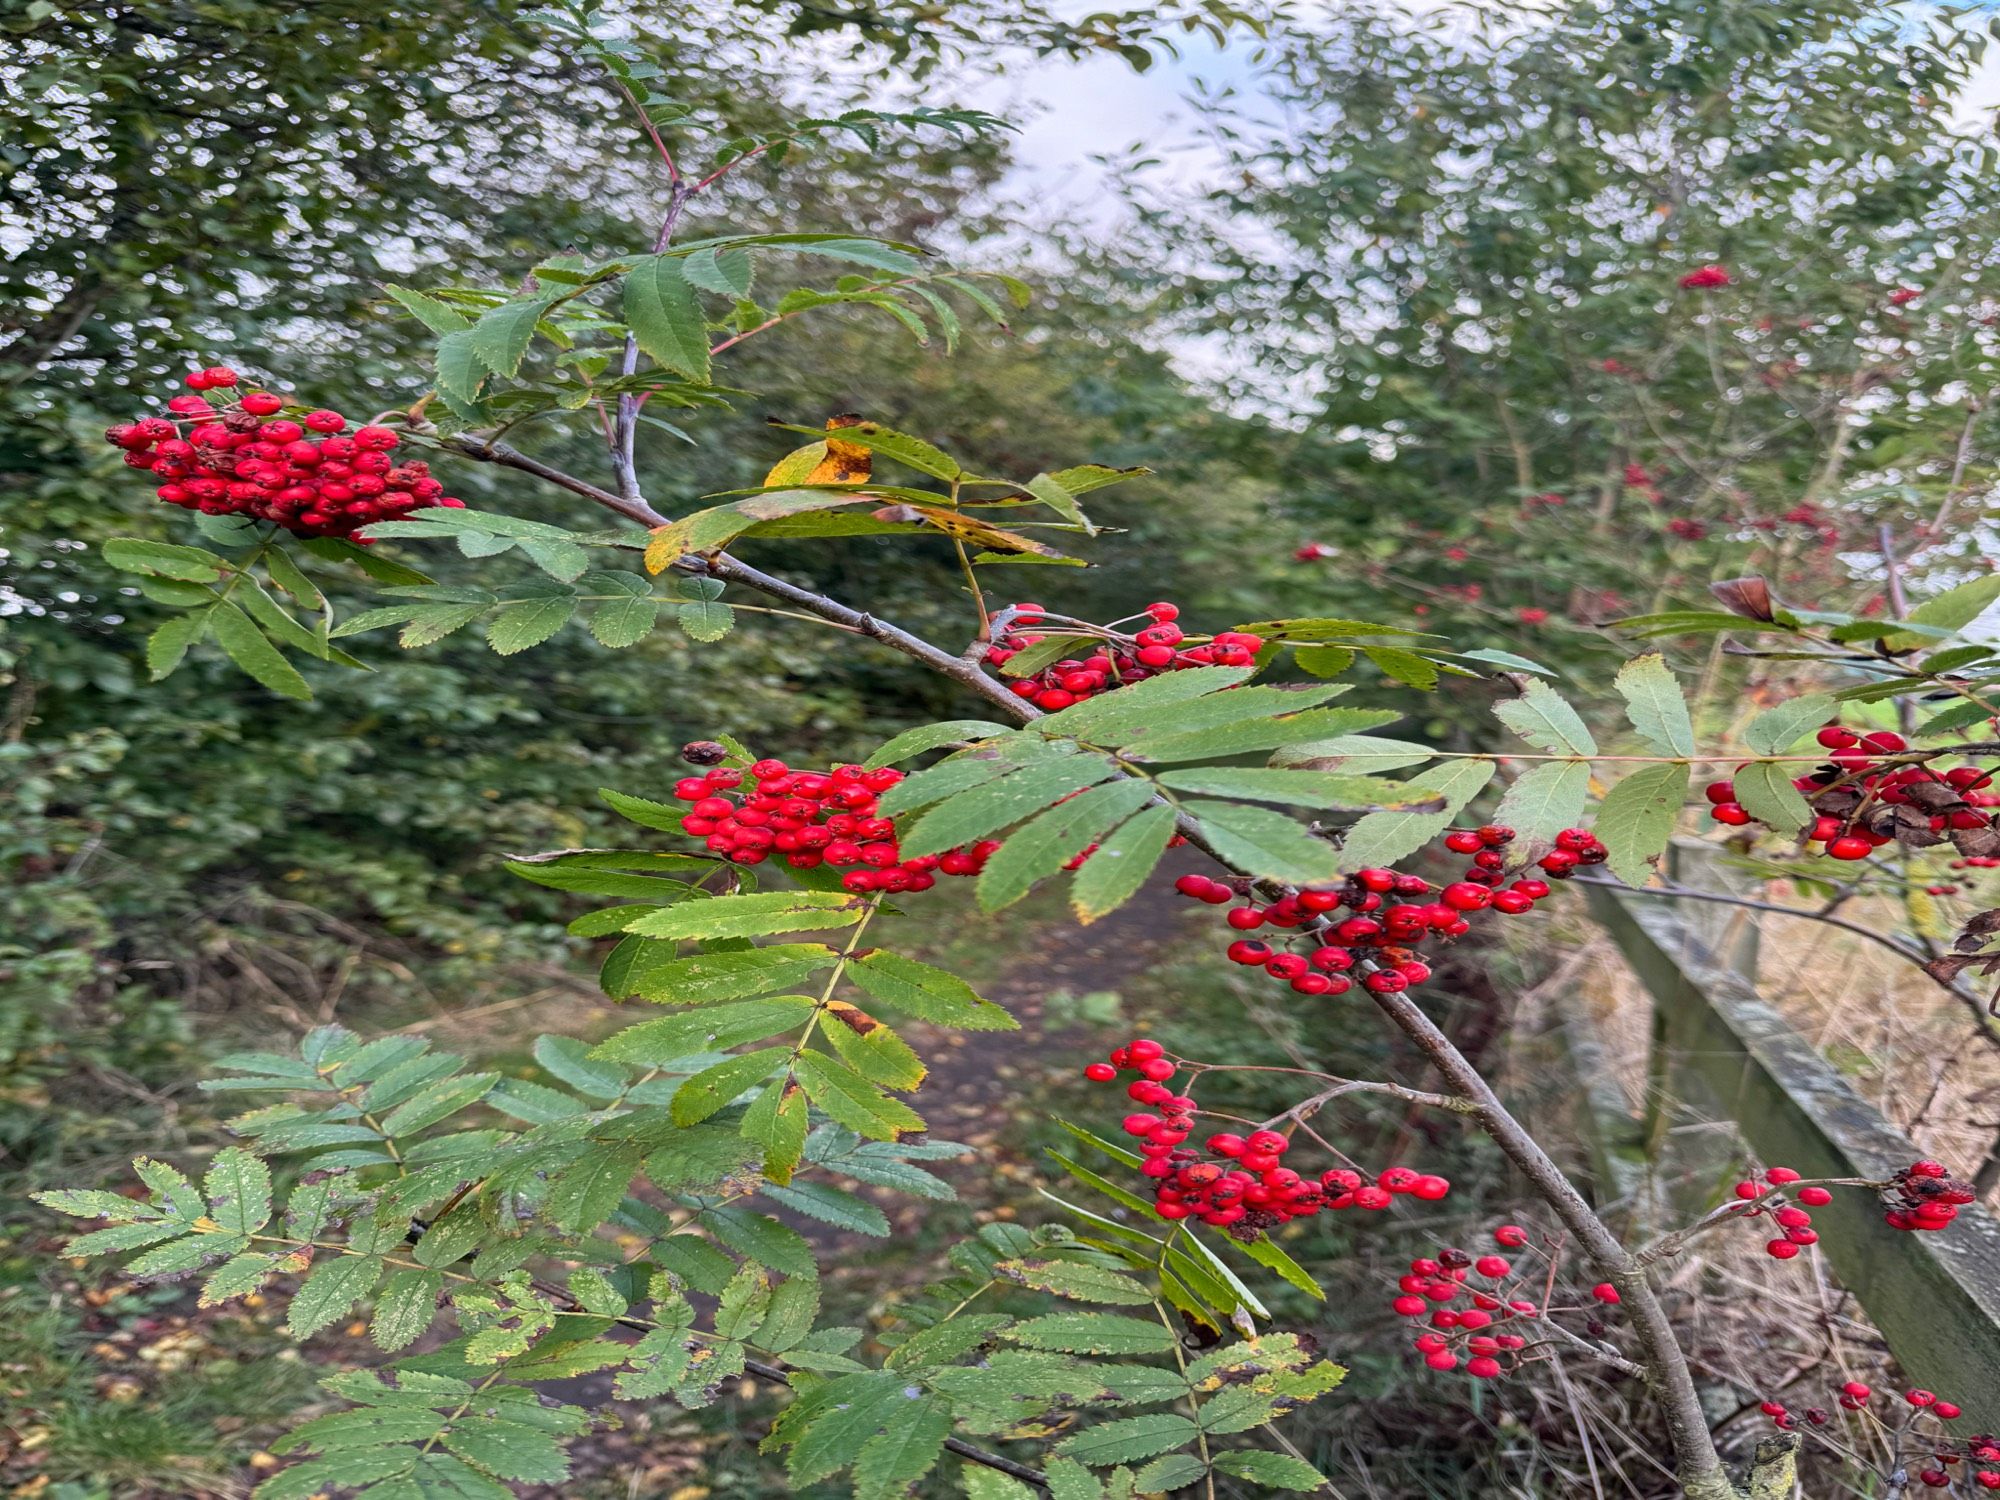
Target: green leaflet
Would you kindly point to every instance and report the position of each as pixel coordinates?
(1043, 846)
(871, 1048)
(240, 639)
(1077, 1281)
(1952, 610)
(644, 811)
(1112, 875)
(1355, 754)
(1545, 799)
(333, 1287)
(1293, 788)
(238, 1187)
(754, 915)
(1265, 842)
(776, 1120)
(985, 810)
(665, 316)
(1543, 718)
(1655, 704)
(501, 337)
(1221, 710)
(1258, 734)
(852, 1100)
(1776, 730)
(1093, 1333)
(1130, 709)
(710, 1028)
(405, 1307)
(1765, 790)
(522, 623)
(905, 1450)
(926, 992)
(712, 1088)
(1278, 1470)
(705, 977)
(1383, 838)
(933, 736)
(1128, 1438)
(1637, 819)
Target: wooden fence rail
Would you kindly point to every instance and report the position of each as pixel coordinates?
(1722, 1053)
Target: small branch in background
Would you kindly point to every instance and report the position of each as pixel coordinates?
(1824, 916)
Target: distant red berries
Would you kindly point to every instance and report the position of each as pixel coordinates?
(1704, 277)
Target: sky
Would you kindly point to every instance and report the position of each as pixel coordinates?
(1072, 112)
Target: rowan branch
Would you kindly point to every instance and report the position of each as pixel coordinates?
(1666, 1368)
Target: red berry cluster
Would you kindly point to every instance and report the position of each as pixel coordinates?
(1780, 1196)
(1239, 1182)
(1471, 1333)
(814, 818)
(1923, 1196)
(1378, 939)
(1861, 800)
(1948, 1453)
(311, 476)
(1120, 658)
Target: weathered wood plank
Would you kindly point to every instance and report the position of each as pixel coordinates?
(1935, 1297)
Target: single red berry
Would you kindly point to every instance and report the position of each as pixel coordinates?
(1814, 1197)
(1849, 846)
(1100, 1072)
(1606, 1293)
(1920, 1397)
(1945, 1409)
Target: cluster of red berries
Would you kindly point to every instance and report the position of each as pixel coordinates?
(1923, 1196)
(1947, 1452)
(1391, 912)
(1119, 659)
(1473, 1333)
(1862, 799)
(814, 818)
(1786, 1203)
(1240, 1182)
(311, 476)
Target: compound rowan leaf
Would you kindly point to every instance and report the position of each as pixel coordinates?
(329, 1291)
(1044, 845)
(240, 639)
(754, 915)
